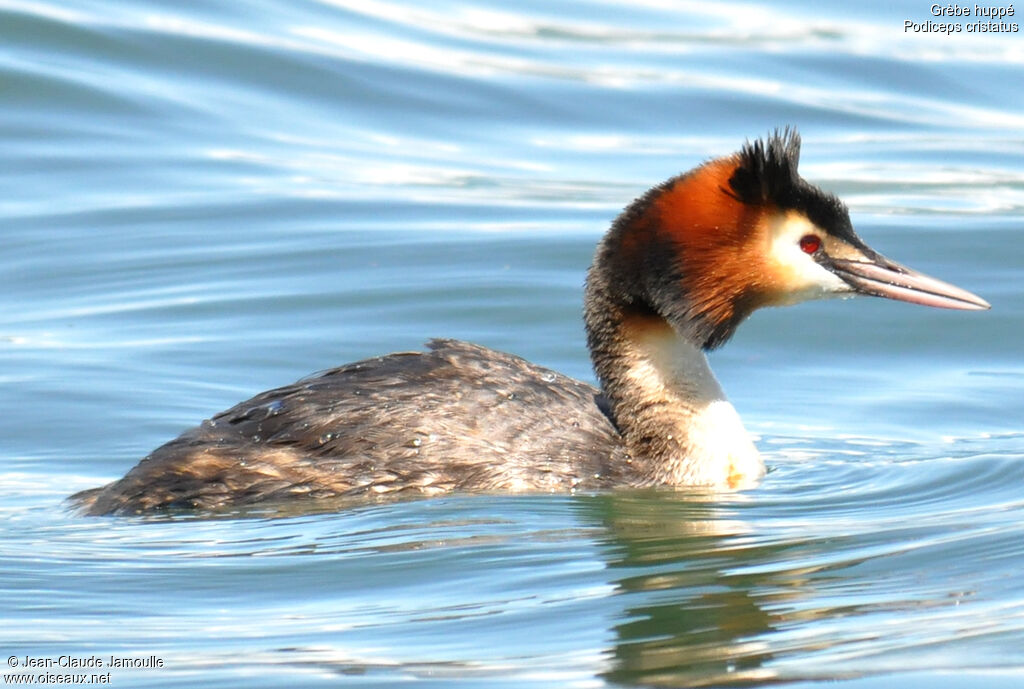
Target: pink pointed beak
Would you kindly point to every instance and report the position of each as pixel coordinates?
(885, 278)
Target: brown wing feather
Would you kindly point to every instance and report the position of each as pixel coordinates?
(458, 416)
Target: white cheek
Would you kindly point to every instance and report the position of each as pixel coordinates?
(801, 276)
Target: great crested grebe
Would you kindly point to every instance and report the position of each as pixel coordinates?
(675, 275)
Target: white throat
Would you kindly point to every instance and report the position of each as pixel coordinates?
(711, 446)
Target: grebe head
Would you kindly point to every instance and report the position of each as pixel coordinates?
(708, 247)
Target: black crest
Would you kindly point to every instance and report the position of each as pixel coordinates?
(767, 170)
(767, 174)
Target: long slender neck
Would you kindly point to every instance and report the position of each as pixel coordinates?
(676, 422)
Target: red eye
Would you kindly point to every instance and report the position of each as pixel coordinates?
(810, 243)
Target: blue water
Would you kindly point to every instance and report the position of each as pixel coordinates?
(199, 201)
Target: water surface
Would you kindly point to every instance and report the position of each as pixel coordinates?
(202, 202)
